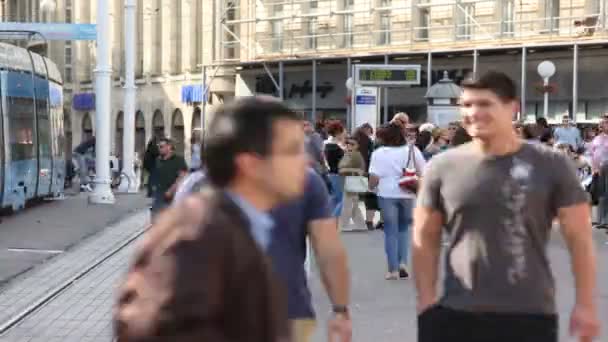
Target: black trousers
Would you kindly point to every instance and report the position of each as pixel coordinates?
(440, 324)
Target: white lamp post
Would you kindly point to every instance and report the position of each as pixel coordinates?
(102, 194)
(129, 185)
(546, 69)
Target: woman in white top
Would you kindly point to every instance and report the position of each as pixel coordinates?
(386, 168)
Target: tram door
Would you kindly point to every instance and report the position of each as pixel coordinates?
(45, 167)
(2, 144)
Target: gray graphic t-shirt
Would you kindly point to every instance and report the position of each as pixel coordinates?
(498, 212)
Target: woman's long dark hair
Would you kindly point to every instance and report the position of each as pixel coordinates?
(460, 137)
(365, 144)
(391, 135)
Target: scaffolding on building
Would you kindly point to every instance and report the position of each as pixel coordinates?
(267, 30)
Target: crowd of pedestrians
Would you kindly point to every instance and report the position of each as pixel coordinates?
(225, 258)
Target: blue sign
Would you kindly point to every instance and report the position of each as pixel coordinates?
(193, 94)
(54, 31)
(365, 100)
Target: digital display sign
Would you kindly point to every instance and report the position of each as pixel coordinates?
(380, 75)
(387, 74)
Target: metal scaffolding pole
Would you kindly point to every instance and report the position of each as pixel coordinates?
(281, 79)
(314, 92)
(475, 61)
(429, 71)
(575, 82)
(385, 91)
(349, 107)
(522, 109)
(204, 104)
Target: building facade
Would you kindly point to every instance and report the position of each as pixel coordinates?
(303, 51)
(169, 59)
(289, 47)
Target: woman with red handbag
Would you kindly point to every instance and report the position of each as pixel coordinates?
(394, 171)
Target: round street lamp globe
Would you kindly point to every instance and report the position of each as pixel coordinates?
(350, 83)
(546, 69)
(48, 5)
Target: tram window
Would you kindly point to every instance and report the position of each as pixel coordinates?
(21, 123)
(44, 128)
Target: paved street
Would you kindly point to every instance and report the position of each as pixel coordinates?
(382, 311)
(47, 229)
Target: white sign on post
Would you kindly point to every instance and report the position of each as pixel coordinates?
(366, 106)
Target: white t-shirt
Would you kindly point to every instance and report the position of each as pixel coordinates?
(387, 163)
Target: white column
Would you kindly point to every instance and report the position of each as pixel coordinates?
(128, 135)
(186, 36)
(148, 50)
(165, 23)
(102, 194)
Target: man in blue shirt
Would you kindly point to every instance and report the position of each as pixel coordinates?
(310, 215)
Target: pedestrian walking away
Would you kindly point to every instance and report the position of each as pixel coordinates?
(497, 197)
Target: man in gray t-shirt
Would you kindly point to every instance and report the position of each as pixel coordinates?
(497, 197)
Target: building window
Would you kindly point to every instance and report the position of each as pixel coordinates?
(230, 43)
(312, 33)
(277, 9)
(424, 20)
(348, 4)
(508, 17)
(384, 37)
(68, 15)
(551, 15)
(348, 30)
(594, 7)
(68, 75)
(277, 35)
(313, 4)
(465, 14)
(68, 53)
(384, 3)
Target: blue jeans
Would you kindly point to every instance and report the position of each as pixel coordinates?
(337, 187)
(397, 214)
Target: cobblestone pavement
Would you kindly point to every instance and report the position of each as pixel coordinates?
(382, 310)
(48, 229)
(22, 294)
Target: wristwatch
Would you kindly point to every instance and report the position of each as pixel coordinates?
(341, 310)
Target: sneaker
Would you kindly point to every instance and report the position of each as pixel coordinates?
(380, 225)
(403, 272)
(392, 276)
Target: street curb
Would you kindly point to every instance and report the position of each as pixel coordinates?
(54, 292)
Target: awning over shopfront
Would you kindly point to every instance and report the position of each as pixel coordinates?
(192, 93)
(84, 102)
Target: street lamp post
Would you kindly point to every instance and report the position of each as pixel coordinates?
(546, 69)
(102, 194)
(129, 185)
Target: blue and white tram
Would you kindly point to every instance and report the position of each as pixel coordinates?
(32, 160)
